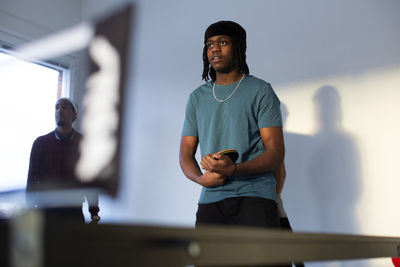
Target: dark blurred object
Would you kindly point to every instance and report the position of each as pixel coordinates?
(99, 162)
(74, 244)
(4, 242)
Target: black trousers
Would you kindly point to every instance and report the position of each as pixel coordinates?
(240, 211)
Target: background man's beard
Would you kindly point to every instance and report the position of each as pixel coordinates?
(61, 123)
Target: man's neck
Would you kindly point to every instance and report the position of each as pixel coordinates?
(227, 78)
(64, 130)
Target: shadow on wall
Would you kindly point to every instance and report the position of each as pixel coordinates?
(323, 181)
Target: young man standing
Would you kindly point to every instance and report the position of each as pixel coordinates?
(234, 110)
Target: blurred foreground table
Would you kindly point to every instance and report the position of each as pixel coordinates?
(29, 240)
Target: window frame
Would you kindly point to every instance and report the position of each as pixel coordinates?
(66, 64)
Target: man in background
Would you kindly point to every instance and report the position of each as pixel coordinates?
(52, 168)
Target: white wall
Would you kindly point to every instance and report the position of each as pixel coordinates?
(348, 52)
(336, 67)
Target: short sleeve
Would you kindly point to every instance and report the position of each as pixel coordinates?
(269, 112)
(190, 124)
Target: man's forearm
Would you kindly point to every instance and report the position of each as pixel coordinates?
(280, 177)
(192, 171)
(266, 162)
(191, 168)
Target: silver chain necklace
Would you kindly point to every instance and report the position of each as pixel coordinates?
(229, 96)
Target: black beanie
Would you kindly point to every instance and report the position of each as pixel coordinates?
(229, 28)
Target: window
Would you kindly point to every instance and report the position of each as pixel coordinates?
(28, 93)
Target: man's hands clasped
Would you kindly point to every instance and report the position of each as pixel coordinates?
(212, 179)
(217, 167)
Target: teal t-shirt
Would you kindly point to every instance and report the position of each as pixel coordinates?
(235, 124)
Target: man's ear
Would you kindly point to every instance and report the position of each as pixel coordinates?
(74, 117)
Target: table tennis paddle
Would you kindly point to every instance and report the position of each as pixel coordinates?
(231, 153)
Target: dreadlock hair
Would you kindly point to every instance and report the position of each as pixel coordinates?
(238, 35)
